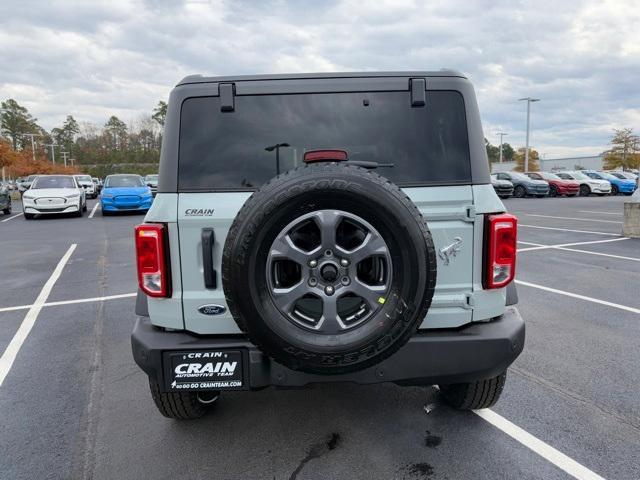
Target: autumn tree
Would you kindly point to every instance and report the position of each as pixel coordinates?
(534, 165)
(624, 151)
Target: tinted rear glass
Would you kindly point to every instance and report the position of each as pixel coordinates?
(227, 150)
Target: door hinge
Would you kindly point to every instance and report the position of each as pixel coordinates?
(470, 300)
(418, 88)
(227, 92)
(470, 213)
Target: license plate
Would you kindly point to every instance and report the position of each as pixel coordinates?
(203, 370)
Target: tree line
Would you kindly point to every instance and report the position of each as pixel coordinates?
(116, 147)
(98, 150)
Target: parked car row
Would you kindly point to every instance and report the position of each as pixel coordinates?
(53, 194)
(566, 183)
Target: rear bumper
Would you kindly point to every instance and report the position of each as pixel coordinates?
(477, 351)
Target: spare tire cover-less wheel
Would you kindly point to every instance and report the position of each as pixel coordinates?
(329, 268)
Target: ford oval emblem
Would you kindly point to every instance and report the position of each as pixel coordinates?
(212, 309)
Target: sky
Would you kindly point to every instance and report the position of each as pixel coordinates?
(93, 59)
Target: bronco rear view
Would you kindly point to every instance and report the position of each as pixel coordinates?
(325, 228)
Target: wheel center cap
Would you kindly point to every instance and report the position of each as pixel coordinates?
(329, 273)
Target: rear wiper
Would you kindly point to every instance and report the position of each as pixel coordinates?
(365, 164)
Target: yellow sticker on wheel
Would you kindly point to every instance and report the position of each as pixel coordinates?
(381, 300)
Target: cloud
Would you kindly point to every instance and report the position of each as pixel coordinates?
(96, 59)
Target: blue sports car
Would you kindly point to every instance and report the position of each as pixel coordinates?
(124, 192)
(618, 185)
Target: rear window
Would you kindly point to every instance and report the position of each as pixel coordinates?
(236, 150)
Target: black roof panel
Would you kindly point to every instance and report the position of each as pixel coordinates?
(191, 79)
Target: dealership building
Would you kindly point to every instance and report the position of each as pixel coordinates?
(595, 162)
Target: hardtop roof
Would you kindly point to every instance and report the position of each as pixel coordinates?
(193, 79)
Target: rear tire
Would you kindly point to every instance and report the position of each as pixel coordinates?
(614, 190)
(585, 191)
(182, 405)
(553, 191)
(7, 211)
(474, 395)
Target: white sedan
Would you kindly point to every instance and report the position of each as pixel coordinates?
(588, 185)
(54, 194)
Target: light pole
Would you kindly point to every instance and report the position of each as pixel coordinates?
(502, 134)
(33, 143)
(526, 150)
(64, 157)
(53, 150)
(277, 147)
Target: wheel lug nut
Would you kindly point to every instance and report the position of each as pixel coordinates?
(313, 282)
(329, 290)
(344, 262)
(345, 281)
(313, 263)
(328, 253)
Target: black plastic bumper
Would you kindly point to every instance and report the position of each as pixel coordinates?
(477, 351)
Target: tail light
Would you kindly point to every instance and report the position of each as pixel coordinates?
(152, 259)
(500, 243)
(325, 156)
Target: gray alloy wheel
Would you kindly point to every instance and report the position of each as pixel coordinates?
(320, 286)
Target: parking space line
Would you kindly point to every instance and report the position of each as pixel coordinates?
(561, 246)
(93, 210)
(580, 297)
(569, 230)
(572, 218)
(604, 213)
(9, 355)
(11, 218)
(546, 451)
(620, 257)
(70, 302)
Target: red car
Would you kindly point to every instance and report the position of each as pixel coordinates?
(557, 185)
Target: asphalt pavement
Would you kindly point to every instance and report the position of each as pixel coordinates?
(73, 403)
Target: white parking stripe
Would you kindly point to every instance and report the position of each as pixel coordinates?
(603, 213)
(569, 230)
(561, 246)
(9, 355)
(620, 257)
(93, 210)
(70, 302)
(571, 218)
(531, 243)
(11, 218)
(580, 297)
(546, 451)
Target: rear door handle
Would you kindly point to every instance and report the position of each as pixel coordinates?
(210, 275)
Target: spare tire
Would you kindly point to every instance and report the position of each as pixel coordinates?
(329, 268)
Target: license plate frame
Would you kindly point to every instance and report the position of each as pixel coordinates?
(202, 370)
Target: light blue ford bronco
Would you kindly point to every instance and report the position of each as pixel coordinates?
(337, 227)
